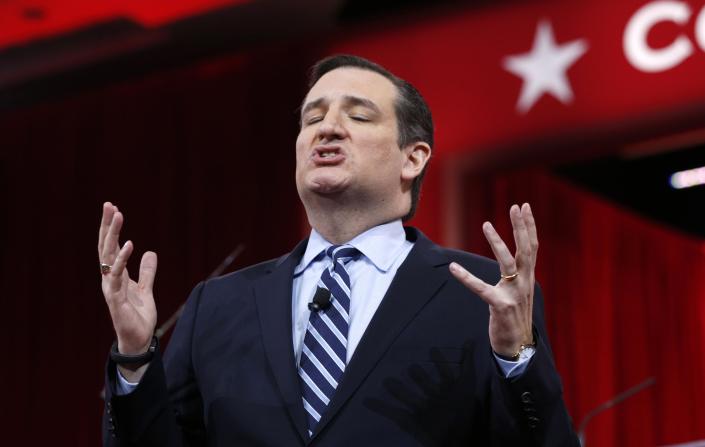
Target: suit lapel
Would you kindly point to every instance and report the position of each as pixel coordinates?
(418, 279)
(273, 297)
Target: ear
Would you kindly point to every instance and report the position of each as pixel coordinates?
(416, 155)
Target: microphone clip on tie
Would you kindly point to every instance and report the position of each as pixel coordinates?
(321, 300)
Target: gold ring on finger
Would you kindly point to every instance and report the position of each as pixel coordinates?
(509, 277)
(105, 268)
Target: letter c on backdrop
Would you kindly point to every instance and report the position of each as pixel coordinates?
(650, 60)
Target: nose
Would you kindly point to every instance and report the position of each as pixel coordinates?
(330, 128)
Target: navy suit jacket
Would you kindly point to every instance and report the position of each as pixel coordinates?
(423, 373)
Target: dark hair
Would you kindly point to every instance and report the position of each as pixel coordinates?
(414, 121)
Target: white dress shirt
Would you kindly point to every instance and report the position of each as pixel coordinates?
(383, 249)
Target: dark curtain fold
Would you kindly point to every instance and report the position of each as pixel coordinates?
(624, 302)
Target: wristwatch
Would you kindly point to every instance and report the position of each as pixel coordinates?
(134, 360)
(524, 351)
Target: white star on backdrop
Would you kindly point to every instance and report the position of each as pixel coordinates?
(543, 69)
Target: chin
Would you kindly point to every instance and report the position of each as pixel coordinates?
(326, 184)
(327, 188)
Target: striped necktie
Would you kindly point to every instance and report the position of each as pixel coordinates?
(324, 352)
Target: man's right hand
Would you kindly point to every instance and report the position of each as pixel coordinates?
(131, 303)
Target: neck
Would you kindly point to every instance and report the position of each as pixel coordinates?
(339, 224)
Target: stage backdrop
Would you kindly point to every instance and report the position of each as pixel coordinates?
(532, 83)
(536, 75)
(199, 160)
(624, 302)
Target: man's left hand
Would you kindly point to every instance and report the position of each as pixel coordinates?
(511, 299)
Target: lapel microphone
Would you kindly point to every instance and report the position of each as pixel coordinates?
(321, 300)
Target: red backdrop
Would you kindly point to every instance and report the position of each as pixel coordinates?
(200, 159)
(458, 61)
(624, 302)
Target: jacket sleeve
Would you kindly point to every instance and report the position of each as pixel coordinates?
(528, 410)
(166, 407)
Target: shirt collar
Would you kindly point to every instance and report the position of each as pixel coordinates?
(314, 249)
(380, 244)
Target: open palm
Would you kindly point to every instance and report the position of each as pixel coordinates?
(511, 300)
(131, 303)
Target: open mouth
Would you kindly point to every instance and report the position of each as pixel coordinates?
(327, 155)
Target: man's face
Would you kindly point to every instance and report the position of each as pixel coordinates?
(348, 139)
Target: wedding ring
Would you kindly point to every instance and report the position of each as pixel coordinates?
(105, 268)
(509, 277)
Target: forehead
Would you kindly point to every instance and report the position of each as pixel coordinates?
(350, 81)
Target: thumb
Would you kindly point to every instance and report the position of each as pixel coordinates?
(148, 270)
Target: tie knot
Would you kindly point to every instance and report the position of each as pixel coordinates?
(342, 252)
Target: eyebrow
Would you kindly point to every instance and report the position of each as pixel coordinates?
(348, 99)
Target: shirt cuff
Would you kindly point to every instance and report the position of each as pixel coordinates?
(123, 386)
(514, 369)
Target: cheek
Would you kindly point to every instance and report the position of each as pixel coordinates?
(300, 146)
(385, 153)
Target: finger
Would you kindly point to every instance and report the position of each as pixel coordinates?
(106, 219)
(118, 268)
(111, 246)
(148, 270)
(475, 284)
(521, 238)
(502, 254)
(528, 216)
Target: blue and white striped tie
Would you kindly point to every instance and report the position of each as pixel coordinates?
(325, 345)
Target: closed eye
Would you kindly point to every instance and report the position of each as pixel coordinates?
(359, 118)
(313, 119)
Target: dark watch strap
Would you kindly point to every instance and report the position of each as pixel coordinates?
(134, 360)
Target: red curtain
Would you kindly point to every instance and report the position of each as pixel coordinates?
(624, 302)
(200, 159)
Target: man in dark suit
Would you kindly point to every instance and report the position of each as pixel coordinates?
(367, 333)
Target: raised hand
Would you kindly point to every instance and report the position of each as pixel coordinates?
(131, 303)
(511, 299)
